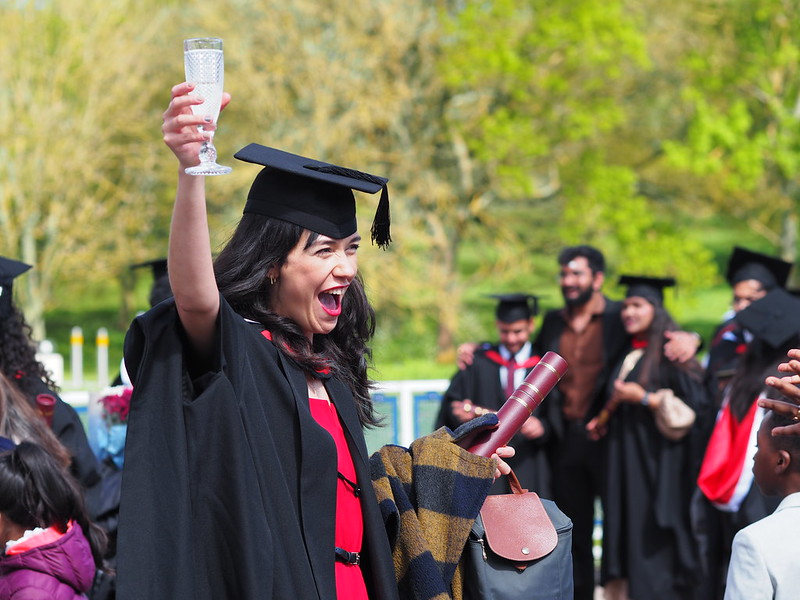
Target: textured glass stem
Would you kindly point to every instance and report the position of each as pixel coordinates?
(208, 153)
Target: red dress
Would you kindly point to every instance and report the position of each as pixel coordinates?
(349, 523)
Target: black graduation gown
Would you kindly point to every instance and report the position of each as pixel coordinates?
(229, 486)
(480, 382)
(727, 346)
(68, 428)
(646, 531)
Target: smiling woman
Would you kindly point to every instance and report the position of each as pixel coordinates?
(246, 465)
(260, 466)
(648, 551)
(310, 286)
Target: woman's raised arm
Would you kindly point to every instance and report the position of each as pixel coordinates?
(191, 272)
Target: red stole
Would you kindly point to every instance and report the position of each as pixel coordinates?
(726, 474)
(511, 366)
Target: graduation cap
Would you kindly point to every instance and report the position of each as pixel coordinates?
(160, 290)
(9, 270)
(745, 264)
(158, 266)
(649, 288)
(515, 307)
(313, 194)
(775, 318)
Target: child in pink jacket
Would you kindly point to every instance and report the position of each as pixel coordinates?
(49, 548)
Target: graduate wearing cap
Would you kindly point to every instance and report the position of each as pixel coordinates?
(587, 331)
(246, 468)
(731, 500)
(496, 371)
(751, 276)
(19, 364)
(648, 551)
(160, 289)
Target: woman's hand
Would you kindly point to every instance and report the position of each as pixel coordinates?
(180, 124)
(789, 409)
(532, 428)
(789, 387)
(628, 391)
(463, 410)
(596, 428)
(502, 466)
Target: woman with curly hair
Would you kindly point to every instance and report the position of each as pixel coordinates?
(19, 364)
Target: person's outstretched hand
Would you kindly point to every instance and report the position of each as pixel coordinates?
(789, 388)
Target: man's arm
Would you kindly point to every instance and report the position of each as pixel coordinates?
(682, 346)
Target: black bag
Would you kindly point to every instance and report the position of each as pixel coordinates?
(526, 552)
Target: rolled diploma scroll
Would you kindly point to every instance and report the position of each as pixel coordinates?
(521, 404)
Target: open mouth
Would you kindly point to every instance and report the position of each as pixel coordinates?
(331, 301)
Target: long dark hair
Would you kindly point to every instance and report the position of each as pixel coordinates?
(654, 352)
(18, 354)
(20, 421)
(759, 361)
(36, 491)
(260, 243)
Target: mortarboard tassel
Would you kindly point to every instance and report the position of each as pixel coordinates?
(381, 224)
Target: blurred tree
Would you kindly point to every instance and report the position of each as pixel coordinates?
(740, 105)
(543, 91)
(508, 128)
(363, 89)
(76, 173)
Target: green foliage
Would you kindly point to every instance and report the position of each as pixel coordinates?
(507, 128)
(740, 95)
(722, 142)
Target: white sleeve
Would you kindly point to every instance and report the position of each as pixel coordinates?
(123, 373)
(748, 576)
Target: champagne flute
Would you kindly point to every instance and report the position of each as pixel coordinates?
(205, 67)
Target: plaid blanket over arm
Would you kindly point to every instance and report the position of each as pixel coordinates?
(430, 495)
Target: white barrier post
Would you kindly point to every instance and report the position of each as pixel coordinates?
(102, 357)
(76, 355)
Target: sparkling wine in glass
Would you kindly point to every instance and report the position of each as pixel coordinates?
(205, 67)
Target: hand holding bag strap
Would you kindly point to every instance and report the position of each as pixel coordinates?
(517, 526)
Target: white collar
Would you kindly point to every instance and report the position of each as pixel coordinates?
(521, 356)
(791, 501)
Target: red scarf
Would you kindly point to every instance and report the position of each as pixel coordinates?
(511, 365)
(723, 478)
